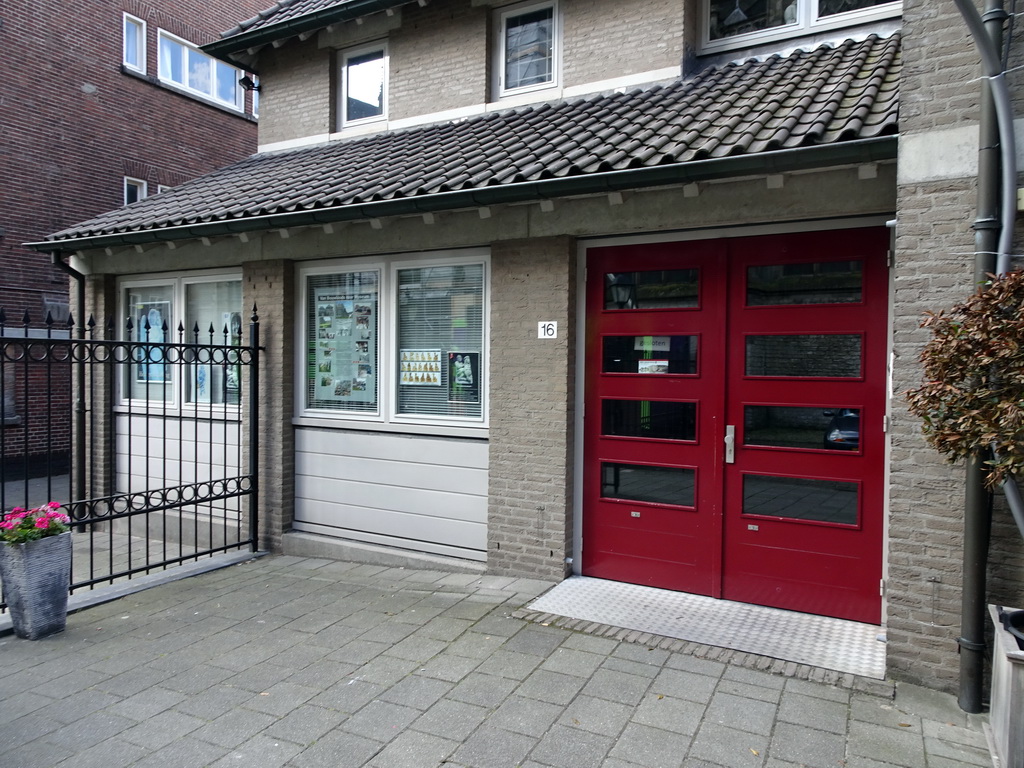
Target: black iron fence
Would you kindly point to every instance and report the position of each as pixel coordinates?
(148, 437)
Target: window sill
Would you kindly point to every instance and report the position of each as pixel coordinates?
(155, 81)
(431, 430)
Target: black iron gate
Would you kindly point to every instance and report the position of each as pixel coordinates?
(150, 445)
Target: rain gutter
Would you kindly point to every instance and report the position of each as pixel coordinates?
(764, 163)
(335, 14)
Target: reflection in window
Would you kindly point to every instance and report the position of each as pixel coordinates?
(365, 82)
(186, 66)
(826, 501)
(649, 418)
(810, 355)
(342, 341)
(729, 18)
(654, 289)
(826, 282)
(134, 43)
(651, 355)
(213, 316)
(779, 426)
(529, 40)
(657, 485)
(440, 341)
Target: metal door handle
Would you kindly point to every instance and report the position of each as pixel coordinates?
(730, 444)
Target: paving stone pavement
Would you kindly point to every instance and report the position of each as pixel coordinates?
(287, 661)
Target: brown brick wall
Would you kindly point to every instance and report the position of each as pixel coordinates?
(531, 408)
(73, 125)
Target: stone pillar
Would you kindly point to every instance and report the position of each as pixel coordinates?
(531, 408)
(270, 287)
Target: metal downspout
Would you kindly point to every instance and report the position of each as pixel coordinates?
(78, 478)
(993, 244)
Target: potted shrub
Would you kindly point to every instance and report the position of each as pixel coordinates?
(35, 568)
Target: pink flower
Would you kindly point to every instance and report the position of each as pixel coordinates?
(42, 522)
(8, 524)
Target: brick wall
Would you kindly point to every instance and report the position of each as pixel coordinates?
(270, 286)
(933, 269)
(296, 99)
(73, 125)
(599, 44)
(531, 412)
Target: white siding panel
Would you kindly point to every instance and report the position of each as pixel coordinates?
(422, 493)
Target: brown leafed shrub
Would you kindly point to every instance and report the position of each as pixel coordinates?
(973, 393)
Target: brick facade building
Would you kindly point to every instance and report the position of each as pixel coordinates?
(615, 215)
(89, 119)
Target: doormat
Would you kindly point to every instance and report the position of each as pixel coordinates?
(818, 641)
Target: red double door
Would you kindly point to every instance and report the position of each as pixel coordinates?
(734, 422)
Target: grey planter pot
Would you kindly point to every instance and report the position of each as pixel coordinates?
(36, 576)
(1006, 714)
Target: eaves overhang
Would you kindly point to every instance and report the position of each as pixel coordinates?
(847, 153)
(245, 42)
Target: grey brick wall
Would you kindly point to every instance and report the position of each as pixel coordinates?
(933, 270)
(601, 40)
(296, 99)
(270, 286)
(531, 408)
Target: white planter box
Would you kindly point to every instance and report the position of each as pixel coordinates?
(1006, 715)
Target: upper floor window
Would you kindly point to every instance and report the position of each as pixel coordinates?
(528, 50)
(731, 23)
(134, 43)
(364, 84)
(134, 190)
(187, 67)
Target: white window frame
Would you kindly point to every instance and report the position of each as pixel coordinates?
(140, 184)
(807, 22)
(237, 105)
(386, 416)
(140, 50)
(501, 20)
(343, 59)
(179, 286)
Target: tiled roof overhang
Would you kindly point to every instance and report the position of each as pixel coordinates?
(291, 18)
(824, 108)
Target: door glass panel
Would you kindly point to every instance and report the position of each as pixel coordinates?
(827, 501)
(660, 485)
(821, 282)
(784, 426)
(650, 354)
(657, 289)
(647, 418)
(810, 355)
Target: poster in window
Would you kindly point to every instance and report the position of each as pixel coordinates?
(420, 367)
(232, 324)
(150, 366)
(344, 364)
(464, 377)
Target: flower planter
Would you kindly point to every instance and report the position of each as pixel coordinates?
(36, 576)
(1006, 714)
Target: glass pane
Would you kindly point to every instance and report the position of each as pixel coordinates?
(657, 289)
(216, 309)
(825, 282)
(529, 48)
(836, 429)
(199, 72)
(364, 86)
(650, 354)
(440, 341)
(737, 17)
(132, 44)
(649, 418)
(151, 311)
(227, 82)
(341, 341)
(810, 355)
(827, 501)
(660, 485)
(171, 61)
(831, 7)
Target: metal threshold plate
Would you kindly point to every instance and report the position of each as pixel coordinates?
(818, 641)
